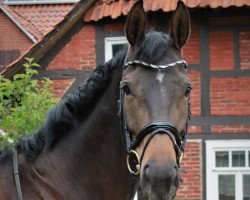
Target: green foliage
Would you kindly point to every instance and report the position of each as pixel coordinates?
(23, 103)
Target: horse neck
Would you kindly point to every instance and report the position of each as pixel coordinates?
(90, 155)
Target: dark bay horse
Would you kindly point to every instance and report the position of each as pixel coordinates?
(79, 154)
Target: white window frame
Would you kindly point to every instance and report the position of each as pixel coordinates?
(109, 42)
(212, 171)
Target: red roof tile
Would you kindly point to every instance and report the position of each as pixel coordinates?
(43, 17)
(116, 8)
(40, 19)
(23, 22)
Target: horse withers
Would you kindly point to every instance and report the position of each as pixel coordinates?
(78, 153)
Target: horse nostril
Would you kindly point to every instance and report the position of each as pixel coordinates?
(152, 172)
(147, 171)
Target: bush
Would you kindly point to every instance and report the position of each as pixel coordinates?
(23, 104)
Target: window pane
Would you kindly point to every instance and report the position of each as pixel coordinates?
(238, 158)
(222, 158)
(248, 158)
(226, 187)
(246, 187)
(116, 48)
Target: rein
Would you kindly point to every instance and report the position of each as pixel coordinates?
(152, 129)
(16, 175)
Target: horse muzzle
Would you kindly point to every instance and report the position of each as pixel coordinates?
(159, 182)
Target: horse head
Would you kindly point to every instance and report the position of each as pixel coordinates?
(154, 101)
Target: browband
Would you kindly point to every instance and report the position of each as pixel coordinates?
(152, 66)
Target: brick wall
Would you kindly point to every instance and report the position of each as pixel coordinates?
(191, 51)
(114, 27)
(195, 96)
(194, 129)
(231, 129)
(191, 188)
(78, 53)
(226, 82)
(221, 50)
(61, 86)
(230, 96)
(230, 55)
(244, 43)
(11, 37)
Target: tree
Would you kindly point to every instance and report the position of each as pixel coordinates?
(23, 104)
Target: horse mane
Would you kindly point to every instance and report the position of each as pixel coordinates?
(76, 106)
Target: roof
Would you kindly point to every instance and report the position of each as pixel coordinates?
(47, 41)
(23, 24)
(116, 8)
(42, 17)
(38, 19)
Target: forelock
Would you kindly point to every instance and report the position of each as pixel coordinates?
(154, 46)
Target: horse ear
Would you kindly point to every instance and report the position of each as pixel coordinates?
(136, 24)
(180, 25)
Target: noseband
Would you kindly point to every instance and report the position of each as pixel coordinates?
(151, 129)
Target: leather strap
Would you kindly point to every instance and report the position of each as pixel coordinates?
(132, 183)
(154, 126)
(16, 175)
(161, 131)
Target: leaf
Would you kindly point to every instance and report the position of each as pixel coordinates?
(35, 65)
(23, 103)
(30, 60)
(19, 76)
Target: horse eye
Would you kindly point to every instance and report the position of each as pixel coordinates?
(188, 90)
(126, 90)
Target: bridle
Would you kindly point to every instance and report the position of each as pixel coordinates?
(151, 129)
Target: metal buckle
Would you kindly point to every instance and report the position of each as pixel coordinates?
(133, 162)
(181, 156)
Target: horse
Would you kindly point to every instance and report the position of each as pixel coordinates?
(81, 150)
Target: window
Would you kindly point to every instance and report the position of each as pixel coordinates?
(113, 45)
(228, 170)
